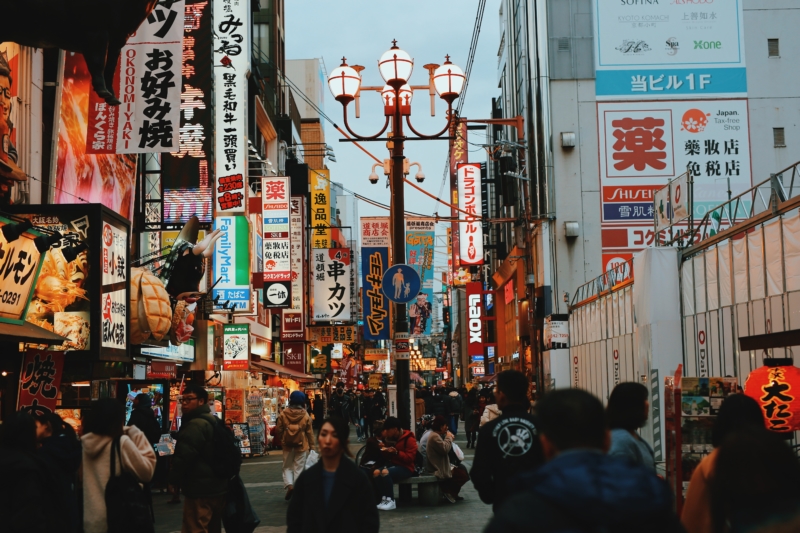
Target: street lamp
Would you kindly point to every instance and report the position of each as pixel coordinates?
(395, 67)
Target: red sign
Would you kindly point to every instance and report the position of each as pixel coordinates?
(162, 369)
(40, 380)
(775, 390)
(292, 325)
(294, 356)
(475, 318)
(508, 291)
(637, 193)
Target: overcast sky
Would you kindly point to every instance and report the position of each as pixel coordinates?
(362, 30)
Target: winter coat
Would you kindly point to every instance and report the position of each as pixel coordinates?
(356, 409)
(406, 447)
(293, 415)
(440, 406)
(438, 461)
(61, 456)
(138, 459)
(339, 406)
(490, 413)
(585, 490)
(351, 506)
(455, 404)
(145, 419)
(25, 497)
(194, 453)
(471, 416)
(507, 446)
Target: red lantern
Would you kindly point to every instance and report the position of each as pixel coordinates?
(777, 391)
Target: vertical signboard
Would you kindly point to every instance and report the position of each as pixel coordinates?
(147, 82)
(331, 278)
(186, 178)
(236, 346)
(40, 379)
(470, 232)
(680, 48)
(293, 324)
(458, 155)
(474, 318)
(231, 66)
(275, 215)
(114, 286)
(294, 356)
(420, 239)
(320, 185)
(375, 245)
(232, 261)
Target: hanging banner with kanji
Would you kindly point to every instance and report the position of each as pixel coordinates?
(776, 391)
(374, 262)
(276, 253)
(320, 185)
(331, 279)
(40, 379)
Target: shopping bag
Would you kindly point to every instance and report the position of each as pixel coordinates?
(458, 452)
(239, 516)
(312, 459)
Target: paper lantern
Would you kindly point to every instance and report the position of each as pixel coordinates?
(777, 391)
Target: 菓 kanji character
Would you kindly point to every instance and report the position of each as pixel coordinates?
(692, 147)
(639, 143)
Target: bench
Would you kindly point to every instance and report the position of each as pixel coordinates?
(430, 493)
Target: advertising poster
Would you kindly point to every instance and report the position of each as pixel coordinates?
(331, 279)
(19, 269)
(81, 177)
(470, 230)
(420, 240)
(474, 318)
(187, 181)
(375, 232)
(114, 282)
(231, 67)
(294, 356)
(459, 154)
(236, 347)
(669, 49)
(293, 319)
(14, 186)
(234, 406)
(276, 212)
(232, 261)
(40, 379)
(241, 432)
(148, 83)
(320, 185)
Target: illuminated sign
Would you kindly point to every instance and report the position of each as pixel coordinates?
(469, 226)
(474, 318)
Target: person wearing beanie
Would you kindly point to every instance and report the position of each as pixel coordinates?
(297, 438)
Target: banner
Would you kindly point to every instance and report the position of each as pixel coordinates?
(80, 177)
(275, 214)
(470, 232)
(331, 278)
(148, 83)
(320, 185)
(420, 241)
(293, 324)
(474, 318)
(232, 261)
(374, 262)
(236, 346)
(40, 379)
(375, 232)
(231, 66)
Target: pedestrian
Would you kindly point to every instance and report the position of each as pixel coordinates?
(627, 411)
(439, 402)
(581, 488)
(401, 453)
(338, 404)
(422, 446)
(367, 406)
(455, 405)
(334, 495)
(439, 445)
(204, 491)
(60, 453)
(490, 411)
(378, 409)
(297, 438)
(357, 414)
(25, 495)
(508, 445)
(144, 418)
(103, 429)
(756, 484)
(471, 418)
(319, 411)
(736, 412)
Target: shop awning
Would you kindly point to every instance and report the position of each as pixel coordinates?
(28, 332)
(282, 371)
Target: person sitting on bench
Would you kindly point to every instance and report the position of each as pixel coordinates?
(440, 443)
(400, 452)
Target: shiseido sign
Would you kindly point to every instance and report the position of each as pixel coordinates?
(475, 318)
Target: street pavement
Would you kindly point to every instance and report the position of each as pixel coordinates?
(262, 477)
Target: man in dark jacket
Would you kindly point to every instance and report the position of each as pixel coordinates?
(581, 488)
(455, 404)
(439, 403)
(191, 465)
(339, 404)
(508, 444)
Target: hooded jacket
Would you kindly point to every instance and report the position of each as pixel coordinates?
(490, 413)
(587, 491)
(406, 447)
(295, 415)
(138, 458)
(191, 463)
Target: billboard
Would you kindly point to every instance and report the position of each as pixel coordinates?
(420, 241)
(81, 177)
(186, 179)
(276, 231)
(148, 82)
(331, 279)
(320, 185)
(294, 356)
(669, 49)
(231, 68)
(374, 262)
(232, 261)
(375, 232)
(470, 230)
(474, 318)
(236, 346)
(293, 323)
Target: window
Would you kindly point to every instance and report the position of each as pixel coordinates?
(779, 137)
(773, 48)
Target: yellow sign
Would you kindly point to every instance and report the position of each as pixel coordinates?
(375, 381)
(20, 262)
(376, 355)
(320, 185)
(331, 334)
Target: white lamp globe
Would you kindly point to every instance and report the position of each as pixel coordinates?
(344, 83)
(395, 66)
(406, 94)
(448, 80)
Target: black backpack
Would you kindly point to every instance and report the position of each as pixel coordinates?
(227, 457)
(129, 508)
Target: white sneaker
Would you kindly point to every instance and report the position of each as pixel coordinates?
(387, 505)
(383, 500)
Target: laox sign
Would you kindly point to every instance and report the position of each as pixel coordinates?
(474, 316)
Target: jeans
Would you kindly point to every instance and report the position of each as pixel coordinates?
(453, 423)
(294, 462)
(385, 484)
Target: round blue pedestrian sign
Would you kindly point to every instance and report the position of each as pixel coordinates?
(401, 284)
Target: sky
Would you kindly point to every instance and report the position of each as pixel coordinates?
(362, 30)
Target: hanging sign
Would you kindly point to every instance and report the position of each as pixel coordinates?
(330, 334)
(420, 237)
(293, 325)
(374, 262)
(320, 185)
(232, 261)
(475, 318)
(276, 241)
(236, 346)
(470, 233)
(332, 284)
(40, 380)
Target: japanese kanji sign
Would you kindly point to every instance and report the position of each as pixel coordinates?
(40, 379)
(331, 279)
(375, 232)
(20, 262)
(320, 185)
(114, 291)
(231, 64)
(776, 391)
(275, 215)
(470, 231)
(322, 335)
(232, 261)
(293, 318)
(420, 239)
(148, 79)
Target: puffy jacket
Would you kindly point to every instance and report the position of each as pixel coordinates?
(295, 415)
(191, 464)
(490, 413)
(440, 406)
(455, 404)
(406, 447)
(587, 491)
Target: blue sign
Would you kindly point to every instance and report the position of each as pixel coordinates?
(401, 284)
(628, 211)
(663, 83)
(374, 261)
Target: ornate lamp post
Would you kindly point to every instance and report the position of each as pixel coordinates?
(395, 67)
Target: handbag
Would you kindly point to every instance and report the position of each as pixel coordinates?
(129, 507)
(312, 459)
(239, 515)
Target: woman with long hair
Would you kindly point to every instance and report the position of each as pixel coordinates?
(627, 411)
(334, 495)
